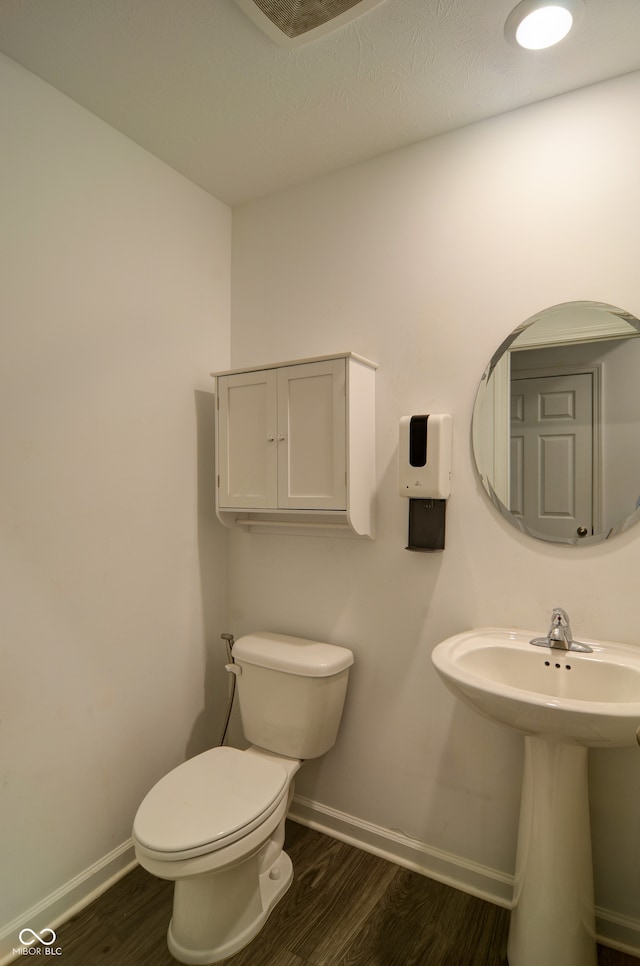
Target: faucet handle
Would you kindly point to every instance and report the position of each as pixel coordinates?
(561, 627)
(560, 616)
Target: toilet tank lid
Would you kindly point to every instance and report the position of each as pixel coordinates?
(294, 655)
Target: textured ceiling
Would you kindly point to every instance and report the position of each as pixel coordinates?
(199, 85)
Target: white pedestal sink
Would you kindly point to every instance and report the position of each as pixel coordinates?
(563, 702)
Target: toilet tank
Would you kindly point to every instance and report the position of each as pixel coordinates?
(291, 692)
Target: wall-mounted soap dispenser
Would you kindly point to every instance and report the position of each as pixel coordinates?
(425, 476)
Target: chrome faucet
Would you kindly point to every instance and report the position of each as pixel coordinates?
(559, 635)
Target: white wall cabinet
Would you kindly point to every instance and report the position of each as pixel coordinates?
(295, 445)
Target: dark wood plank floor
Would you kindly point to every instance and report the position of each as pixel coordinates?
(345, 908)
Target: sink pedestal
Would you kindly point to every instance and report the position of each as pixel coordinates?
(552, 920)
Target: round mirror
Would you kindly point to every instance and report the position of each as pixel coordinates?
(556, 424)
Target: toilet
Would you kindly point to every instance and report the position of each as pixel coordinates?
(215, 824)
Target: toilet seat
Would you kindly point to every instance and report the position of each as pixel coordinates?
(209, 802)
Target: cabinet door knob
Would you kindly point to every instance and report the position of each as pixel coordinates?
(281, 437)
(271, 438)
(582, 531)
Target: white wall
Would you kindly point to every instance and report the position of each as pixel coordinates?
(424, 260)
(622, 414)
(114, 308)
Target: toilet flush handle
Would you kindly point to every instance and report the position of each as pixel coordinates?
(233, 669)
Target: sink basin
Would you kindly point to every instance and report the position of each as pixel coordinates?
(591, 699)
(563, 702)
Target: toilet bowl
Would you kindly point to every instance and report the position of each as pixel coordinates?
(223, 849)
(215, 824)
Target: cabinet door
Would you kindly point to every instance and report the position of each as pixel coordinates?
(312, 436)
(247, 444)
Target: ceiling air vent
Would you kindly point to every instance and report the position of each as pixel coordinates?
(294, 22)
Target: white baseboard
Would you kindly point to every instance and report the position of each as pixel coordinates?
(70, 898)
(478, 880)
(618, 932)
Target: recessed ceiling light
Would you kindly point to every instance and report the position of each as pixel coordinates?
(536, 24)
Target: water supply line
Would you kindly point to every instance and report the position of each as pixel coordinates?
(232, 669)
